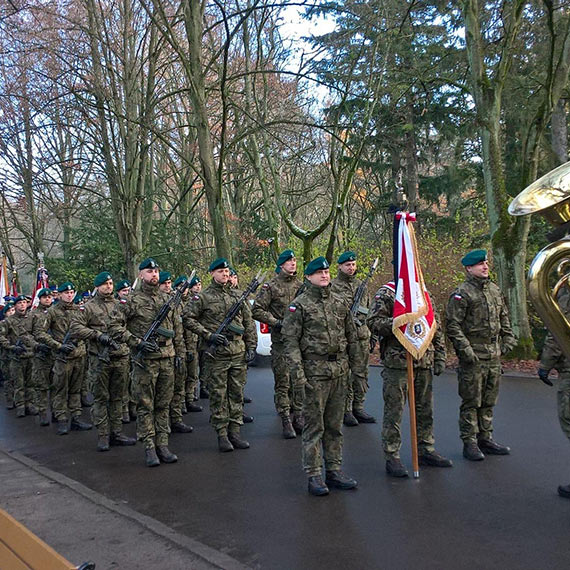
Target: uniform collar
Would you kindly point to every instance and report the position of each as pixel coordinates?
(342, 276)
(148, 288)
(219, 287)
(318, 292)
(479, 282)
(284, 276)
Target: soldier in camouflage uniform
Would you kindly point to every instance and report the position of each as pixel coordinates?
(395, 387)
(16, 340)
(154, 376)
(269, 308)
(345, 285)
(122, 291)
(108, 363)
(226, 368)
(69, 361)
(321, 342)
(7, 310)
(479, 328)
(552, 357)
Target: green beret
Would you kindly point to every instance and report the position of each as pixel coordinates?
(102, 278)
(220, 263)
(20, 298)
(123, 284)
(67, 286)
(43, 292)
(346, 256)
(285, 256)
(316, 264)
(7, 307)
(195, 280)
(164, 276)
(232, 271)
(474, 257)
(148, 263)
(179, 280)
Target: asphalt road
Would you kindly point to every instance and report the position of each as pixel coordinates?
(500, 513)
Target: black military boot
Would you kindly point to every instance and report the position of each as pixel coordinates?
(151, 458)
(247, 419)
(31, 410)
(363, 418)
(434, 459)
(125, 418)
(491, 447)
(133, 412)
(204, 394)
(350, 420)
(247, 400)
(192, 407)
(86, 400)
(62, 427)
(564, 491)
(44, 419)
(395, 468)
(122, 440)
(298, 421)
(288, 430)
(317, 486)
(78, 425)
(184, 409)
(165, 455)
(236, 440)
(181, 427)
(103, 443)
(340, 480)
(472, 452)
(21, 412)
(224, 444)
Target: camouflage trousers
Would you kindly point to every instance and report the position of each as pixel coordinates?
(226, 380)
(129, 392)
(154, 387)
(564, 403)
(21, 383)
(41, 370)
(323, 410)
(395, 392)
(191, 387)
(286, 399)
(67, 377)
(358, 383)
(108, 385)
(479, 391)
(178, 394)
(86, 379)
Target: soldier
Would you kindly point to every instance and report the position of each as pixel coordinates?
(16, 340)
(154, 377)
(226, 368)
(479, 328)
(395, 388)
(69, 358)
(321, 343)
(345, 285)
(269, 308)
(108, 363)
(123, 289)
(552, 357)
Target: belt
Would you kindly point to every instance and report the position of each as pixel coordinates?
(326, 357)
(481, 340)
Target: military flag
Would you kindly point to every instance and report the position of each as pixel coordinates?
(4, 283)
(42, 280)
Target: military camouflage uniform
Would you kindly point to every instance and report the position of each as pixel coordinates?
(269, 307)
(43, 360)
(345, 286)
(108, 379)
(226, 370)
(180, 371)
(68, 369)
(321, 343)
(154, 381)
(479, 328)
(553, 357)
(394, 375)
(192, 374)
(5, 369)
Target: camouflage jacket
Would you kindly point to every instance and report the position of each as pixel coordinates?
(345, 286)
(131, 318)
(552, 356)
(392, 352)
(16, 328)
(205, 313)
(477, 321)
(320, 336)
(272, 301)
(57, 324)
(39, 325)
(92, 320)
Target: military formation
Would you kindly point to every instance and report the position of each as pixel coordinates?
(149, 354)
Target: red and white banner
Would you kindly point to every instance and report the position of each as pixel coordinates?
(414, 323)
(4, 282)
(42, 280)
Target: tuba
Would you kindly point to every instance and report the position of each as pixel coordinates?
(550, 196)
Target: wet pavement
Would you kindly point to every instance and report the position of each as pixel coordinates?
(253, 505)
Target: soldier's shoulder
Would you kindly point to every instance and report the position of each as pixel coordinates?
(388, 290)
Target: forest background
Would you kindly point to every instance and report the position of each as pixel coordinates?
(187, 130)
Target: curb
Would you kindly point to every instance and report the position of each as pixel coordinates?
(208, 554)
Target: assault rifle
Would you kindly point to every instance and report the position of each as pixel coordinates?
(155, 328)
(356, 310)
(60, 355)
(226, 324)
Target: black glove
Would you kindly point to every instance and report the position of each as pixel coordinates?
(148, 346)
(543, 375)
(278, 326)
(218, 339)
(249, 355)
(178, 363)
(438, 367)
(189, 357)
(43, 348)
(67, 348)
(18, 350)
(372, 343)
(105, 340)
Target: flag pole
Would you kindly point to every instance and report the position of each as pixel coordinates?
(413, 426)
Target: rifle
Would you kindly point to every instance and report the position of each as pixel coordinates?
(66, 339)
(155, 328)
(233, 311)
(103, 356)
(355, 309)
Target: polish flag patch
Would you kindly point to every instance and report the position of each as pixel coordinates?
(292, 308)
(265, 286)
(458, 297)
(123, 301)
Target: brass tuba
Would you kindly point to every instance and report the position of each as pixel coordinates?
(550, 196)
